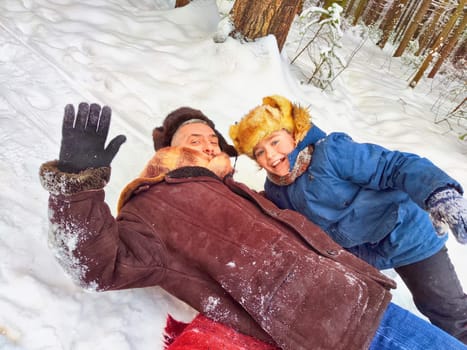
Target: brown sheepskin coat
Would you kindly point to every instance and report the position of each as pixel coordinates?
(223, 249)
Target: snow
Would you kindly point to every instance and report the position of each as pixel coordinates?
(144, 58)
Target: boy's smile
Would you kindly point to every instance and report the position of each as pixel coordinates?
(271, 152)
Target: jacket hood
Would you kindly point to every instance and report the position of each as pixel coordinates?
(312, 136)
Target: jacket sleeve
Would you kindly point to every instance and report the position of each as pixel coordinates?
(98, 251)
(375, 167)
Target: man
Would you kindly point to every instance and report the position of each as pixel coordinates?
(231, 254)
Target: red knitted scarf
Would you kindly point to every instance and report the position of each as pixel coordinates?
(205, 334)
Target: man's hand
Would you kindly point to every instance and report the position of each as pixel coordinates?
(448, 207)
(83, 138)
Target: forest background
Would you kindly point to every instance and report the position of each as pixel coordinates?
(145, 58)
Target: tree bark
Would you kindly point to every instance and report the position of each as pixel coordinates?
(438, 44)
(348, 9)
(359, 10)
(392, 17)
(447, 49)
(412, 28)
(405, 20)
(256, 19)
(374, 11)
(427, 35)
(459, 58)
(181, 3)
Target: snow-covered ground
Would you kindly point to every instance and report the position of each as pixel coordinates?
(144, 58)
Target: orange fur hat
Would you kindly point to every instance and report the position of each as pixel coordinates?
(274, 114)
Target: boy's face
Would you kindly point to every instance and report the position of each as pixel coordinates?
(199, 137)
(271, 152)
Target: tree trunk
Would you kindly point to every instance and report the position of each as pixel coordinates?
(181, 3)
(391, 18)
(300, 7)
(459, 58)
(256, 19)
(405, 20)
(358, 12)
(374, 11)
(446, 50)
(348, 9)
(413, 27)
(438, 44)
(427, 35)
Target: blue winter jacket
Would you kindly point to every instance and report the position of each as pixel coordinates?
(368, 199)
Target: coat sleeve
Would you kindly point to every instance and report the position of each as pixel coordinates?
(375, 167)
(98, 251)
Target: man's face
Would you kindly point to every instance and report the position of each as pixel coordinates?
(199, 137)
(271, 152)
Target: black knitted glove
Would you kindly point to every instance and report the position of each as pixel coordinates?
(83, 138)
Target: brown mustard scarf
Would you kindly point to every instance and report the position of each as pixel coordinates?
(170, 158)
(301, 164)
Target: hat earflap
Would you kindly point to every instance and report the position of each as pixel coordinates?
(302, 121)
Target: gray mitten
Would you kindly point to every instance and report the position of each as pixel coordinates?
(448, 207)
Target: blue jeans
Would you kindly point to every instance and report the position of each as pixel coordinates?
(401, 330)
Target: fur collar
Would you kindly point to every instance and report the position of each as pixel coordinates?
(167, 161)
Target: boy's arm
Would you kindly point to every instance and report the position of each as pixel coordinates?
(375, 167)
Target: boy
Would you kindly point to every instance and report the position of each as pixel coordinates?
(370, 200)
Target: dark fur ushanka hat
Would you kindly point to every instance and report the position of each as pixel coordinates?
(162, 135)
